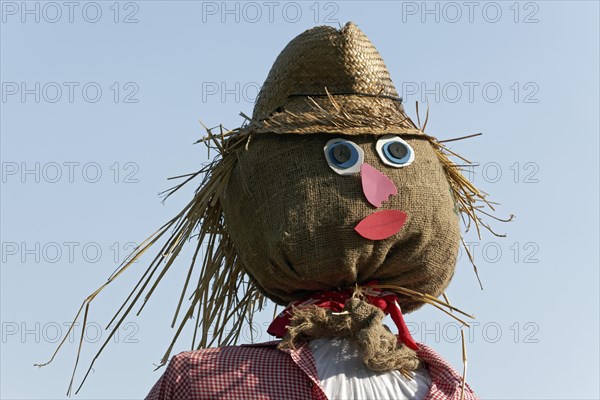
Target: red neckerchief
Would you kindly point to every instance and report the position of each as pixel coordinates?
(335, 300)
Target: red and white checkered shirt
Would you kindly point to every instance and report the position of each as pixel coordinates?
(261, 371)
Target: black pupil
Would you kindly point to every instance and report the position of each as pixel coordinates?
(398, 150)
(342, 153)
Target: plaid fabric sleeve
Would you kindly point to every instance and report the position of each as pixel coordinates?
(175, 382)
(236, 372)
(446, 382)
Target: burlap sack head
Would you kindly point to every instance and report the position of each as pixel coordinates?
(291, 218)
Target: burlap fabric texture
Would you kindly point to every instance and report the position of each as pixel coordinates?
(359, 322)
(292, 219)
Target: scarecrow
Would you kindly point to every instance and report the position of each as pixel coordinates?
(331, 202)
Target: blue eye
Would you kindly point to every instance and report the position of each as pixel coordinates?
(394, 151)
(344, 156)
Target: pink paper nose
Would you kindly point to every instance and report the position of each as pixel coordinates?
(376, 186)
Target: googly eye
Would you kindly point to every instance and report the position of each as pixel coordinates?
(394, 151)
(344, 156)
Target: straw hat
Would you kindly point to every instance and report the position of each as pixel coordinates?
(324, 67)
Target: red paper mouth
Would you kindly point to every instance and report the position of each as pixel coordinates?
(381, 224)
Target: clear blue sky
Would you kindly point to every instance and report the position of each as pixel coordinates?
(101, 102)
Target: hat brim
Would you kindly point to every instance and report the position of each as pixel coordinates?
(341, 115)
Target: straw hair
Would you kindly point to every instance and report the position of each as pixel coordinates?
(222, 297)
(354, 97)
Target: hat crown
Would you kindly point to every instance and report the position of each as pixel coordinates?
(324, 59)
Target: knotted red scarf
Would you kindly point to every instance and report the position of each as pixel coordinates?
(335, 300)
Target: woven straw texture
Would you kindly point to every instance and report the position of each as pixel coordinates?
(321, 61)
